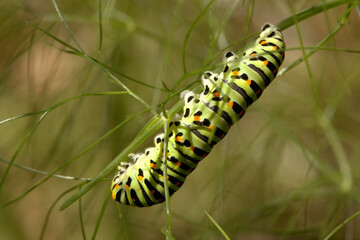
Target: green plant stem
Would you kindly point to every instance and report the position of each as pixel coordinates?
(66, 26)
(190, 30)
(44, 172)
(217, 226)
(82, 227)
(47, 218)
(122, 220)
(100, 27)
(106, 201)
(311, 11)
(342, 225)
(166, 185)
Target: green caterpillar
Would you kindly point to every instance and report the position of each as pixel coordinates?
(206, 120)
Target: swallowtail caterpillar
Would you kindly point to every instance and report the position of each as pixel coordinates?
(207, 118)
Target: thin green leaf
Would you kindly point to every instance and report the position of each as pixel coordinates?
(217, 226)
(342, 225)
(100, 27)
(310, 12)
(44, 172)
(47, 218)
(122, 220)
(82, 227)
(191, 29)
(101, 214)
(53, 37)
(66, 26)
(165, 59)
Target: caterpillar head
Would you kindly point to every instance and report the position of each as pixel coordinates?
(270, 31)
(271, 35)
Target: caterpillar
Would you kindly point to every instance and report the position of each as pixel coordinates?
(206, 119)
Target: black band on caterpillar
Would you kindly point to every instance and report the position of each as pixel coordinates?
(206, 120)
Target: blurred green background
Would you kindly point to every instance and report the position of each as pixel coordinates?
(288, 170)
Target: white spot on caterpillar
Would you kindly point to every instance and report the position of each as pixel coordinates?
(183, 93)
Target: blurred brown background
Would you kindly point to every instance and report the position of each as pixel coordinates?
(288, 170)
